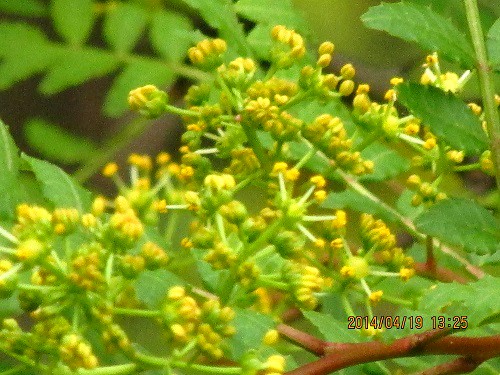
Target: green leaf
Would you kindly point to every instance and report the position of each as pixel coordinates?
(73, 67)
(333, 330)
(139, 73)
(33, 8)
(151, 286)
(9, 170)
(461, 222)
(270, 12)
(24, 51)
(447, 116)
(355, 201)
(478, 301)
(251, 327)
(56, 143)
(171, 35)
(124, 25)
(210, 277)
(493, 45)
(388, 163)
(417, 23)
(73, 19)
(260, 42)
(221, 15)
(57, 186)
(405, 207)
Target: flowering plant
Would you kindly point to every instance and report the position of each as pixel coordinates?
(266, 222)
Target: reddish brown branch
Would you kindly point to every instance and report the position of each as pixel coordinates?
(305, 340)
(438, 273)
(338, 356)
(461, 365)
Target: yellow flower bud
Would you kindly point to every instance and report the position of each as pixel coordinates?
(346, 87)
(326, 48)
(110, 169)
(347, 71)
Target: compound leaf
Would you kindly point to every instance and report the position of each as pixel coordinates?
(28, 8)
(447, 116)
(220, 15)
(74, 67)
(355, 201)
(124, 25)
(73, 19)
(251, 327)
(461, 222)
(57, 186)
(9, 170)
(171, 34)
(56, 143)
(493, 44)
(139, 73)
(151, 286)
(333, 330)
(259, 40)
(388, 163)
(24, 51)
(418, 23)
(478, 301)
(270, 12)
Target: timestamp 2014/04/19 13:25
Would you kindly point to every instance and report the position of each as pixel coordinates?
(402, 322)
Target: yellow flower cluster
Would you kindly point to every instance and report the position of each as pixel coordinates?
(77, 353)
(329, 135)
(207, 53)
(147, 100)
(425, 193)
(208, 324)
(87, 268)
(377, 237)
(289, 46)
(263, 108)
(238, 73)
(304, 281)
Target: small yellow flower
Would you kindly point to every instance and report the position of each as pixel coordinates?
(176, 292)
(406, 273)
(110, 169)
(347, 71)
(396, 81)
(376, 296)
(163, 158)
(318, 180)
(326, 48)
(271, 337)
(430, 143)
(292, 174)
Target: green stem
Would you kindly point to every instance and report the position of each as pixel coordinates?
(151, 360)
(207, 369)
(128, 133)
(127, 368)
(347, 305)
(14, 370)
(405, 222)
(172, 226)
(136, 312)
(486, 85)
(252, 138)
(20, 358)
(396, 300)
(181, 111)
(305, 158)
(468, 167)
